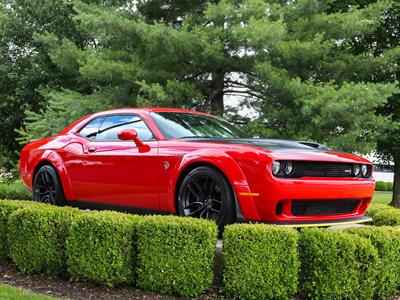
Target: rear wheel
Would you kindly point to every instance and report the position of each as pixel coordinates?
(47, 186)
(205, 193)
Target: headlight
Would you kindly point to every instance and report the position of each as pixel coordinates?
(276, 167)
(288, 168)
(364, 170)
(356, 170)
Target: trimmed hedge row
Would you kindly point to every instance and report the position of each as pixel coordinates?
(37, 237)
(175, 255)
(384, 186)
(164, 254)
(7, 207)
(387, 242)
(260, 262)
(383, 215)
(101, 248)
(337, 265)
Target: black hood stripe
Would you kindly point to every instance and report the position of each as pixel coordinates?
(269, 144)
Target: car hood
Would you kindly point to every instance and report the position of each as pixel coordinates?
(273, 145)
(283, 149)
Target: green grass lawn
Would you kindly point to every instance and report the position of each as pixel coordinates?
(382, 197)
(12, 293)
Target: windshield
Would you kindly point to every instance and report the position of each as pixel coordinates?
(187, 125)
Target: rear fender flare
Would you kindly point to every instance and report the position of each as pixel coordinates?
(55, 159)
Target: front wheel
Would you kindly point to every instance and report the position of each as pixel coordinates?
(205, 193)
(47, 186)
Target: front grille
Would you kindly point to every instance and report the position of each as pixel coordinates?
(321, 169)
(323, 208)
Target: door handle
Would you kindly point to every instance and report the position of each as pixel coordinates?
(91, 148)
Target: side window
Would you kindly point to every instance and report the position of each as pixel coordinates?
(90, 129)
(112, 125)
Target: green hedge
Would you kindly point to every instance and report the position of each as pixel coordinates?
(14, 191)
(384, 186)
(7, 207)
(102, 247)
(175, 255)
(387, 242)
(337, 265)
(260, 262)
(37, 237)
(383, 215)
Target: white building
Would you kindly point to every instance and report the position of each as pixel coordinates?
(383, 170)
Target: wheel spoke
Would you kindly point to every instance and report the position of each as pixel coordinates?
(50, 180)
(43, 179)
(191, 204)
(201, 214)
(51, 197)
(201, 209)
(214, 210)
(196, 189)
(45, 199)
(41, 186)
(212, 187)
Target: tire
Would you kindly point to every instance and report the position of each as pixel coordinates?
(206, 193)
(47, 187)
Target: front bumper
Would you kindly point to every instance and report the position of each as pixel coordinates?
(260, 203)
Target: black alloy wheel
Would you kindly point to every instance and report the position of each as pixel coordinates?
(205, 193)
(47, 186)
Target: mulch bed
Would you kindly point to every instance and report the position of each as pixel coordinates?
(63, 288)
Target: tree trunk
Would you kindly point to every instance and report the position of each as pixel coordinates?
(396, 184)
(217, 97)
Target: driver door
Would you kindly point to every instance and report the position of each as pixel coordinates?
(115, 172)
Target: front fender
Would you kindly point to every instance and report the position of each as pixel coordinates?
(232, 171)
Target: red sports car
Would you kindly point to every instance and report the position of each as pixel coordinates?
(195, 164)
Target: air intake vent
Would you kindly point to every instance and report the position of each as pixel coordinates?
(323, 207)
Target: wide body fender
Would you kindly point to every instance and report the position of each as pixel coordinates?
(228, 166)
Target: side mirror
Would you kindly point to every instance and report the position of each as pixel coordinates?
(131, 135)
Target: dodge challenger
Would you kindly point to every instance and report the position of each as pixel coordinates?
(194, 164)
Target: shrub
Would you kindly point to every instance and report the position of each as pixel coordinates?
(37, 238)
(7, 207)
(387, 242)
(375, 208)
(13, 191)
(176, 255)
(384, 215)
(389, 186)
(383, 186)
(102, 246)
(337, 265)
(380, 186)
(260, 262)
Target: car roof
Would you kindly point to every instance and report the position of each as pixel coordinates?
(127, 110)
(150, 109)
